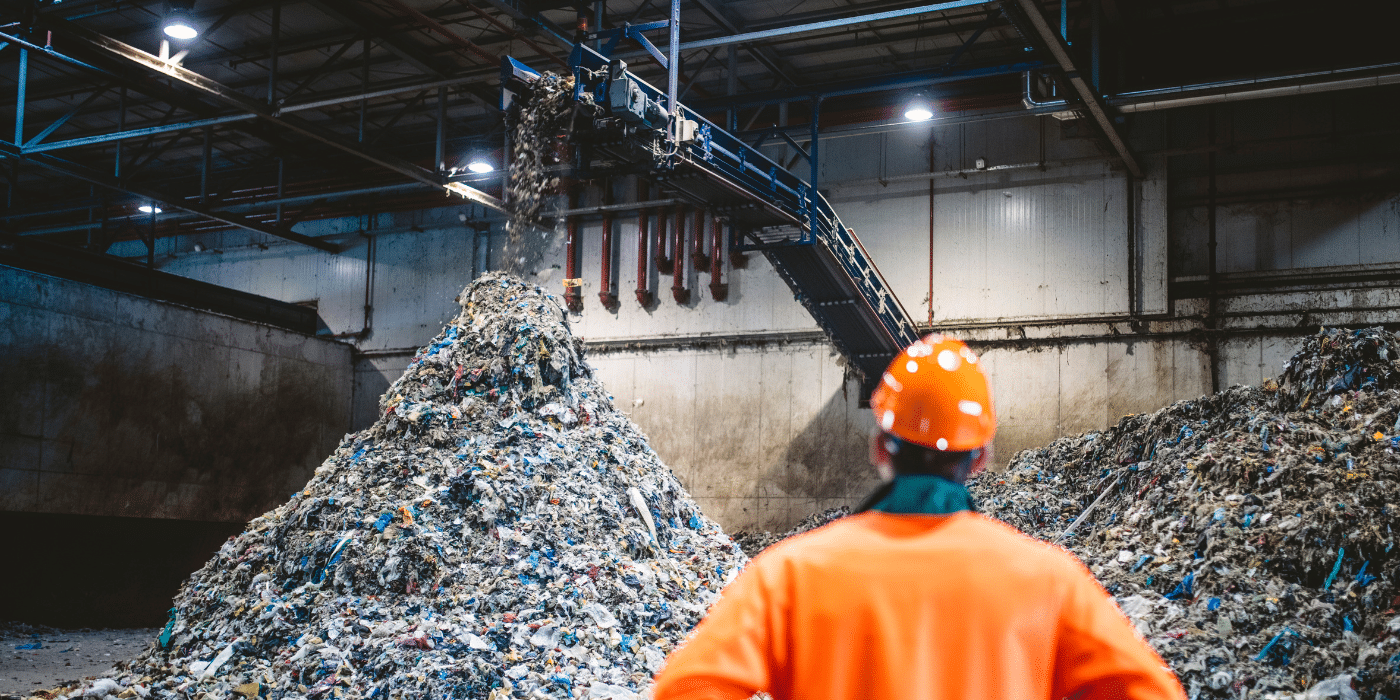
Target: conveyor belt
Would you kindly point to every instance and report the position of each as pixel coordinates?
(768, 208)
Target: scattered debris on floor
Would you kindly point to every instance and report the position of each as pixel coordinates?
(1249, 535)
(34, 657)
(501, 531)
(754, 542)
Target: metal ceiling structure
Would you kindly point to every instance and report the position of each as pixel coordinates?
(292, 110)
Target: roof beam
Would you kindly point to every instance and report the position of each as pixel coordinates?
(236, 99)
(520, 12)
(415, 56)
(897, 81)
(1092, 100)
(722, 18)
(828, 24)
(79, 172)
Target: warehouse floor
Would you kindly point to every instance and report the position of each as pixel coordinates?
(64, 655)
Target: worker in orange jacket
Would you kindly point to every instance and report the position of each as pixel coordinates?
(917, 596)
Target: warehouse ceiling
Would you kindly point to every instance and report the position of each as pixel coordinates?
(332, 107)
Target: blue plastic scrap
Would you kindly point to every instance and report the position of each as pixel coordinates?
(335, 557)
(1183, 589)
(1278, 652)
(1362, 578)
(1336, 568)
(164, 637)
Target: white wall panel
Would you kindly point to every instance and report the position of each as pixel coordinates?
(1027, 244)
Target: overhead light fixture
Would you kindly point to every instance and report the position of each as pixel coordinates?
(179, 21)
(480, 166)
(150, 209)
(919, 109)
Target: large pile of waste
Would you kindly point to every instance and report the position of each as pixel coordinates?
(755, 541)
(501, 531)
(1249, 535)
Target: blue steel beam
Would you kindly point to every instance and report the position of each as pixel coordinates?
(634, 32)
(829, 24)
(136, 133)
(673, 66)
(69, 115)
(952, 60)
(651, 49)
(898, 81)
(19, 102)
(80, 172)
(627, 29)
(520, 12)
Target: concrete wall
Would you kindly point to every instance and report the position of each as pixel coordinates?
(761, 436)
(115, 405)
(1075, 283)
(135, 436)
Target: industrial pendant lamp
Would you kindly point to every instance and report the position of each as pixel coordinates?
(920, 108)
(179, 20)
(480, 166)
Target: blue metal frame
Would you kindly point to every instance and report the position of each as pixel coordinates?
(22, 85)
(763, 180)
(825, 265)
(634, 32)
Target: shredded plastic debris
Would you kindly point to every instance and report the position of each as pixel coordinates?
(754, 542)
(1249, 535)
(501, 532)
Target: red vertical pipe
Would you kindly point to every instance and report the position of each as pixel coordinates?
(718, 291)
(606, 286)
(573, 296)
(643, 273)
(698, 259)
(664, 265)
(678, 290)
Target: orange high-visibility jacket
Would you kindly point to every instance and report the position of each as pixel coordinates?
(929, 607)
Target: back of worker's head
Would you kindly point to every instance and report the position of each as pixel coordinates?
(933, 412)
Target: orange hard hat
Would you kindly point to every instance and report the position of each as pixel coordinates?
(935, 394)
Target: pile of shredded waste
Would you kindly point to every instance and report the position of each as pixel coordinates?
(754, 542)
(1249, 535)
(501, 532)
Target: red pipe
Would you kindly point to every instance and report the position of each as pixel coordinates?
(664, 265)
(644, 296)
(605, 291)
(678, 290)
(698, 259)
(718, 291)
(573, 296)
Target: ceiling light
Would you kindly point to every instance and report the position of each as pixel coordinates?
(480, 167)
(919, 109)
(179, 24)
(148, 209)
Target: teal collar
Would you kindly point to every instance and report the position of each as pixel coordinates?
(920, 494)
